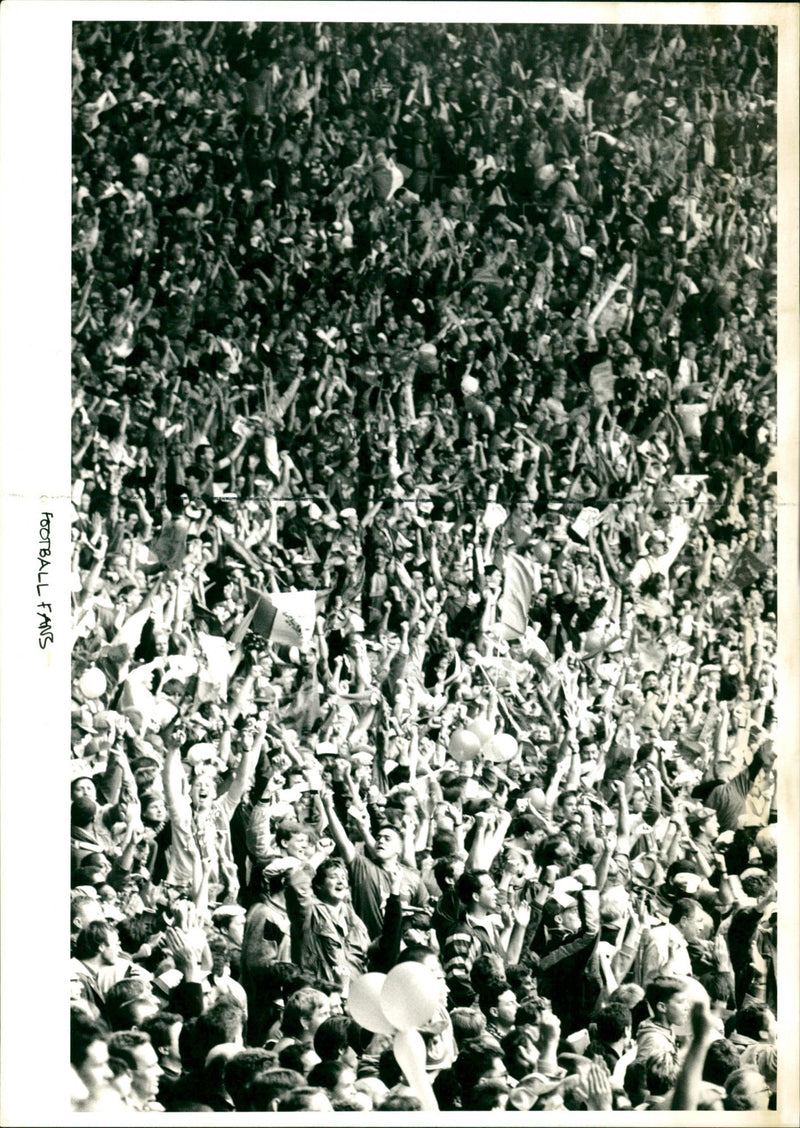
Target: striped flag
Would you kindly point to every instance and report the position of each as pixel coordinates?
(515, 601)
(287, 618)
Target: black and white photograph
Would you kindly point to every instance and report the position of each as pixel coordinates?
(408, 596)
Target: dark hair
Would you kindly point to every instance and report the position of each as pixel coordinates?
(529, 1011)
(389, 1071)
(444, 844)
(661, 990)
(297, 1100)
(242, 1070)
(158, 1027)
(322, 871)
(123, 1044)
(334, 1035)
(119, 996)
(83, 1031)
(327, 1074)
(271, 1085)
(475, 1059)
(511, 1043)
(524, 824)
(291, 1057)
(286, 829)
(82, 812)
(612, 1022)
(751, 1021)
(470, 884)
(718, 984)
(399, 1102)
(683, 909)
(220, 1023)
(486, 1095)
(722, 1058)
(490, 994)
(91, 938)
(444, 869)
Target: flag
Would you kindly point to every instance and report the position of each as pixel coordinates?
(601, 379)
(588, 518)
(745, 569)
(287, 618)
(518, 589)
(213, 683)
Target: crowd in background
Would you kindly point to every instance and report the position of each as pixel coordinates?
(424, 563)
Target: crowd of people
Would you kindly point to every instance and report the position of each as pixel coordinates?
(424, 563)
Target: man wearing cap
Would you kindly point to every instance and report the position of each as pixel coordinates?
(566, 940)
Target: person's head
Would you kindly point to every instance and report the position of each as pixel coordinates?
(388, 843)
(203, 792)
(305, 1099)
(660, 1073)
(614, 1023)
(489, 1096)
(336, 1039)
(566, 805)
(722, 1058)
(89, 1053)
(298, 1056)
(562, 912)
(83, 811)
(336, 1077)
(756, 1021)
(242, 1070)
(83, 788)
(222, 1023)
(164, 1028)
(468, 1023)
(129, 1002)
(270, 1087)
(499, 1004)
(84, 910)
(667, 999)
(477, 890)
(133, 1051)
(746, 1090)
(478, 1060)
(97, 941)
(447, 871)
(330, 882)
(685, 915)
(304, 1013)
(293, 839)
(704, 826)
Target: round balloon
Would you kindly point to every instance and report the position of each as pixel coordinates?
(470, 386)
(483, 728)
(409, 996)
(537, 798)
(501, 748)
(592, 642)
(464, 745)
(92, 683)
(364, 1003)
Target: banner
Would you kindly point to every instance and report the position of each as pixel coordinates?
(287, 618)
(601, 379)
(745, 570)
(518, 589)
